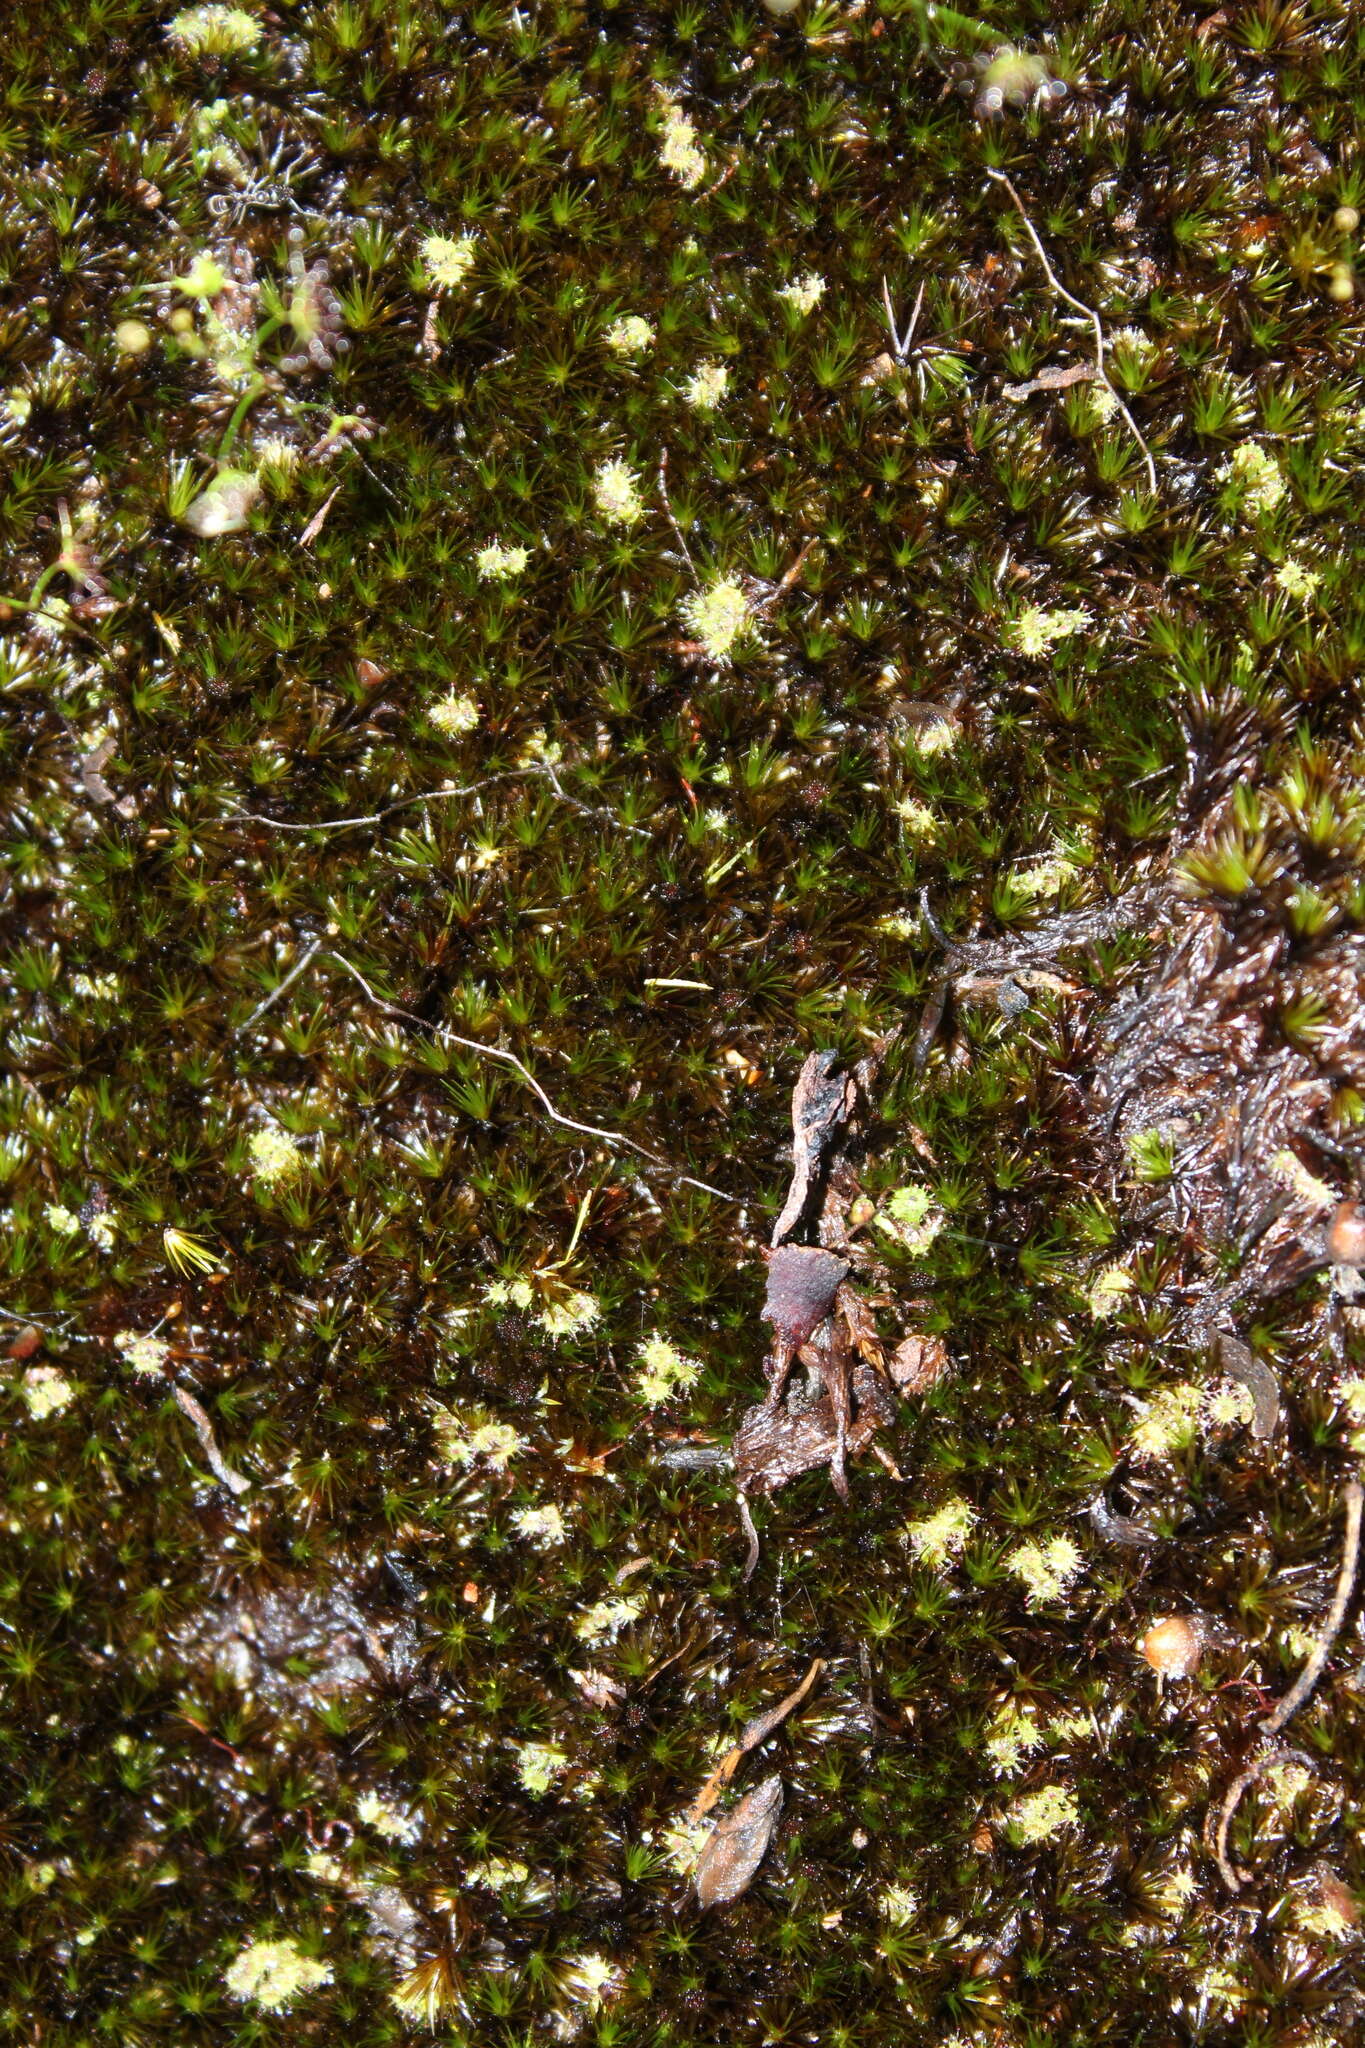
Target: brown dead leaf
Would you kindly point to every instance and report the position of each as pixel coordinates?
(1240, 1363)
(94, 784)
(1050, 380)
(822, 1100)
(738, 1843)
(597, 1688)
(917, 1363)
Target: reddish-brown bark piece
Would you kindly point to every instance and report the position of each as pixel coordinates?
(802, 1284)
(738, 1844)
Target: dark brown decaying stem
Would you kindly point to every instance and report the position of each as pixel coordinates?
(283, 987)
(1275, 1723)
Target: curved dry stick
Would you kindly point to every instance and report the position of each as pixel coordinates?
(755, 1730)
(1102, 375)
(509, 1059)
(1274, 1723)
(1336, 1614)
(404, 803)
(281, 987)
(1233, 1878)
(543, 769)
(203, 1429)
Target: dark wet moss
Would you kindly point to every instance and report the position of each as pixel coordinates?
(986, 666)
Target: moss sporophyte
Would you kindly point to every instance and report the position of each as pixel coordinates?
(560, 562)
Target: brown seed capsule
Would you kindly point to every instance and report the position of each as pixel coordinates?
(1346, 1235)
(1174, 1645)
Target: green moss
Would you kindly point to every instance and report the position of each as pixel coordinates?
(489, 565)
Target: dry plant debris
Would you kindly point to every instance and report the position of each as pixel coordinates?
(819, 1318)
(729, 1861)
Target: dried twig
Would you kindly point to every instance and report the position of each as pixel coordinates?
(746, 1518)
(755, 1730)
(789, 576)
(1276, 1722)
(1232, 1877)
(1331, 1627)
(668, 508)
(509, 1059)
(574, 803)
(402, 803)
(544, 769)
(900, 344)
(1101, 374)
(281, 988)
(203, 1429)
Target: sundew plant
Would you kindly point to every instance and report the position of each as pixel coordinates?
(557, 559)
